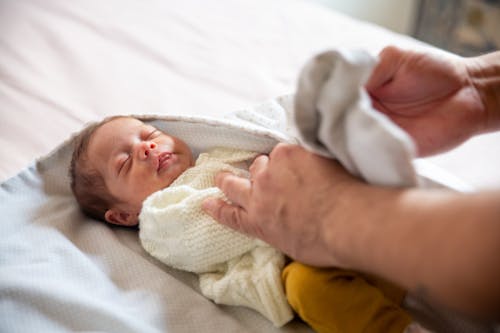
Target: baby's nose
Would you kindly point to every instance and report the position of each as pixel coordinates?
(145, 148)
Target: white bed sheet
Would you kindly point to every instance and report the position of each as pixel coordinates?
(64, 63)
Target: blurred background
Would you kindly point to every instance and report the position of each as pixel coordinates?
(465, 27)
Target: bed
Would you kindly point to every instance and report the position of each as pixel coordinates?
(63, 64)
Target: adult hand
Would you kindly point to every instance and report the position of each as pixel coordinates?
(288, 202)
(432, 97)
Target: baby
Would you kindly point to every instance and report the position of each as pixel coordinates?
(127, 172)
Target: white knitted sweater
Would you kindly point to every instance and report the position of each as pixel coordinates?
(233, 269)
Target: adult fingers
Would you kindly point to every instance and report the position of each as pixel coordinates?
(258, 165)
(229, 215)
(236, 189)
(389, 61)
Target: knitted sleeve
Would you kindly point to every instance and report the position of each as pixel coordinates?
(175, 230)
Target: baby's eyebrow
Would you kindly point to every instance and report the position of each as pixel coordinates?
(150, 130)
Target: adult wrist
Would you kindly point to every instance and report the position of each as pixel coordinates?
(350, 224)
(484, 73)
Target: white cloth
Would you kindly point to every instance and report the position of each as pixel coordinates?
(233, 269)
(335, 118)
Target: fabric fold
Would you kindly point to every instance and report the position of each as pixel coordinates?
(335, 118)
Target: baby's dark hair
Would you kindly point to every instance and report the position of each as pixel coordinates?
(87, 183)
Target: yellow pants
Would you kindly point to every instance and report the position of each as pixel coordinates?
(341, 301)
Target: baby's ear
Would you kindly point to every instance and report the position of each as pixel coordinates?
(120, 217)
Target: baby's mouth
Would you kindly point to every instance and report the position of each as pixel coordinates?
(164, 160)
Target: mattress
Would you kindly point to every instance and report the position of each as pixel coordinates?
(64, 64)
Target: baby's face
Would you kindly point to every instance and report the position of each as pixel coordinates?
(136, 159)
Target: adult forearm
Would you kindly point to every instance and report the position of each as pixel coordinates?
(484, 72)
(440, 244)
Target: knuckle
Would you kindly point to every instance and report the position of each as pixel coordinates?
(225, 215)
(235, 218)
(262, 179)
(252, 167)
(280, 151)
(288, 151)
(218, 212)
(259, 165)
(223, 182)
(219, 178)
(391, 49)
(255, 163)
(226, 182)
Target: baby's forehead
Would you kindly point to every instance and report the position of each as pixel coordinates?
(127, 121)
(124, 126)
